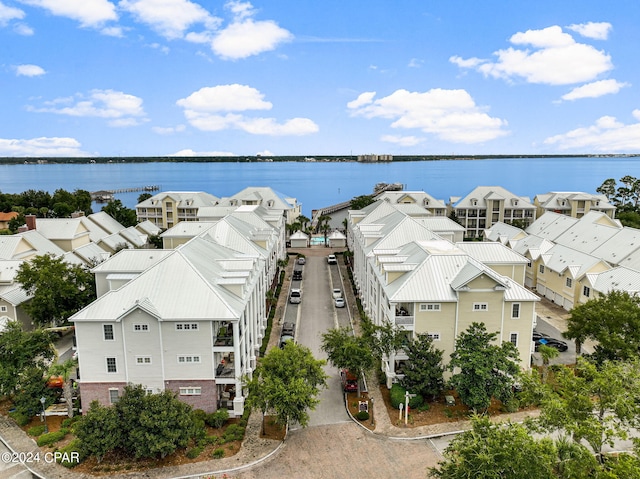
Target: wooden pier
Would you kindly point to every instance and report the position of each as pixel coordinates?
(104, 196)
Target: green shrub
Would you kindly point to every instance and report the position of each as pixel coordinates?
(423, 407)
(362, 416)
(448, 412)
(35, 430)
(199, 414)
(51, 437)
(398, 397)
(72, 447)
(212, 439)
(233, 433)
(20, 418)
(70, 421)
(218, 453)
(218, 419)
(511, 405)
(195, 452)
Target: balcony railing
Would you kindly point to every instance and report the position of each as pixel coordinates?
(405, 320)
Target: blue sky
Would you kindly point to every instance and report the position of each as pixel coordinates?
(308, 77)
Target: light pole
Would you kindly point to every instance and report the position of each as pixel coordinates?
(44, 416)
(372, 419)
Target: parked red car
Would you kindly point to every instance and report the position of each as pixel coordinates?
(349, 381)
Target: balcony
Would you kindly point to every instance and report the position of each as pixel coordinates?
(223, 339)
(405, 322)
(226, 366)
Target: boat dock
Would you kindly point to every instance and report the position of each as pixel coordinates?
(104, 196)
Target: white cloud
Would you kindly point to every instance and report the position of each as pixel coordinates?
(169, 130)
(595, 89)
(225, 98)
(606, 135)
(595, 30)
(29, 70)
(112, 32)
(190, 152)
(402, 140)
(9, 13)
(170, 18)
(204, 110)
(42, 146)
(90, 13)
(248, 37)
(363, 99)
(265, 153)
(119, 108)
(22, 29)
(415, 63)
(451, 115)
(240, 9)
(556, 59)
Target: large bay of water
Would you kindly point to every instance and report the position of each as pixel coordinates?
(320, 184)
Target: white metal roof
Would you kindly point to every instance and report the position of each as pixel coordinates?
(619, 279)
(492, 253)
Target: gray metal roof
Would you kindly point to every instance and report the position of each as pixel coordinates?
(618, 279)
(131, 260)
(551, 225)
(560, 258)
(492, 253)
(106, 222)
(619, 246)
(483, 193)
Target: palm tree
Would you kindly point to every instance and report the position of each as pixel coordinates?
(304, 222)
(547, 353)
(65, 370)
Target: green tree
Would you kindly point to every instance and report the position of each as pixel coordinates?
(156, 241)
(16, 223)
(164, 425)
(287, 381)
(424, 371)
(359, 202)
(597, 404)
(608, 188)
(612, 320)
(492, 451)
(486, 370)
(66, 370)
(19, 351)
(123, 215)
(346, 351)
(57, 289)
(144, 196)
(547, 353)
(99, 431)
(31, 387)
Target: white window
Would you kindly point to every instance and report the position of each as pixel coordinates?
(434, 336)
(192, 391)
(114, 395)
(515, 310)
(188, 359)
(480, 306)
(3, 309)
(143, 359)
(186, 326)
(107, 330)
(111, 365)
(430, 307)
(569, 282)
(542, 268)
(141, 327)
(513, 338)
(586, 291)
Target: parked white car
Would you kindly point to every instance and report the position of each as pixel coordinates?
(337, 293)
(331, 259)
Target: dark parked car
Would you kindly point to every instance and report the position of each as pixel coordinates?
(541, 338)
(297, 274)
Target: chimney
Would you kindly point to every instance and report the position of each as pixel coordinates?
(31, 221)
(77, 214)
(23, 229)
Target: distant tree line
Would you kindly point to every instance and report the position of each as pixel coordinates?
(626, 198)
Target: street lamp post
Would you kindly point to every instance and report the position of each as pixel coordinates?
(44, 415)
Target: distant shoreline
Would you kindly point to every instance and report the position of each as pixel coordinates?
(260, 159)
